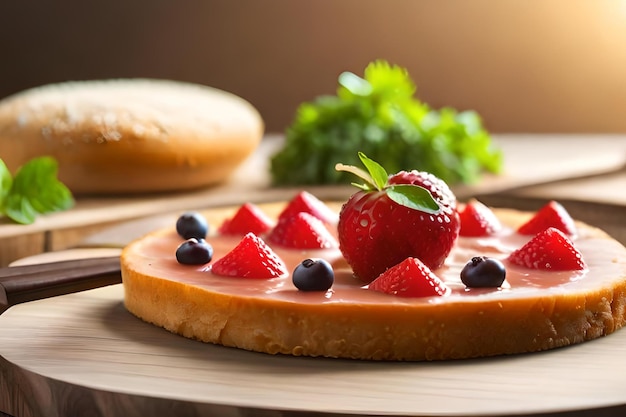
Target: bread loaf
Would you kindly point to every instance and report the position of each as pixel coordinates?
(130, 135)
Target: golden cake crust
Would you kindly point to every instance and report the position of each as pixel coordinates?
(380, 326)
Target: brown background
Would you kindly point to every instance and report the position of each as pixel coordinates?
(526, 66)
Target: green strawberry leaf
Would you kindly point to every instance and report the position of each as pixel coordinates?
(369, 182)
(408, 195)
(36, 190)
(413, 196)
(375, 177)
(376, 171)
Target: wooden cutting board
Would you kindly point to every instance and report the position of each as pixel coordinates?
(529, 159)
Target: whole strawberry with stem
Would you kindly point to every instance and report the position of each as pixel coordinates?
(391, 218)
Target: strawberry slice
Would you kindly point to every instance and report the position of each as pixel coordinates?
(308, 203)
(251, 258)
(549, 250)
(478, 220)
(248, 218)
(409, 278)
(552, 214)
(302, 231)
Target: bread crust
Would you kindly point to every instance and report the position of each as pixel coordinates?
(382, 331)
(130, 135)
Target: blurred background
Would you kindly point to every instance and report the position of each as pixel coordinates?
(525, 66)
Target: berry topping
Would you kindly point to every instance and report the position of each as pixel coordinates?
(551, 250)
(302, 231)
(482, 272)
(248, 218)
(308, 203)
(409, 278)
(251, 258)
(410, 214)
(552, 214)
(313, 275)
(192, 224)
(478, 220)
(194, 252)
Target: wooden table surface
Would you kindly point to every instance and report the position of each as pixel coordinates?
(83, 354)
(529, 160)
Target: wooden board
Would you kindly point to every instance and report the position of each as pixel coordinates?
(529, 159)
(84, 354)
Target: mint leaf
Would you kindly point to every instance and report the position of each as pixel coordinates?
(19, 209)
(409, 195)
(375, 177)
(376, 171)
(36, 190)
(413, 196)
(5, 182)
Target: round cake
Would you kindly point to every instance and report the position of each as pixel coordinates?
(533, 310)
(126, 136)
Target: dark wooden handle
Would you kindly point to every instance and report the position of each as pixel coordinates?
(33, 282)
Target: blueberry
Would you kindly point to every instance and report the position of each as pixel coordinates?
(192, 224)
(194, 252)
(313, 275)
(483, 272)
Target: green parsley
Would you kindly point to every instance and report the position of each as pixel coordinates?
(380, 116)
(34, 190)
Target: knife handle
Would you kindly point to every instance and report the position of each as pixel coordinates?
(19, 284)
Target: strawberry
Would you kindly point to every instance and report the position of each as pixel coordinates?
(251, 258)
(552, 214)
(308, 203)
(302, 231)
(409, 214)
(409, 278)
(248, 218)
(549, 250)
(478, 220)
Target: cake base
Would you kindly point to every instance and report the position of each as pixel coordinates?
(539, 311)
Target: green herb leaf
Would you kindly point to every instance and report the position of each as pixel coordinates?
(413, 196)
(355, 84)
(376, 171)
(379, 115)
(408, 195)
(36, 190)
(5, 183)
(19, 209)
